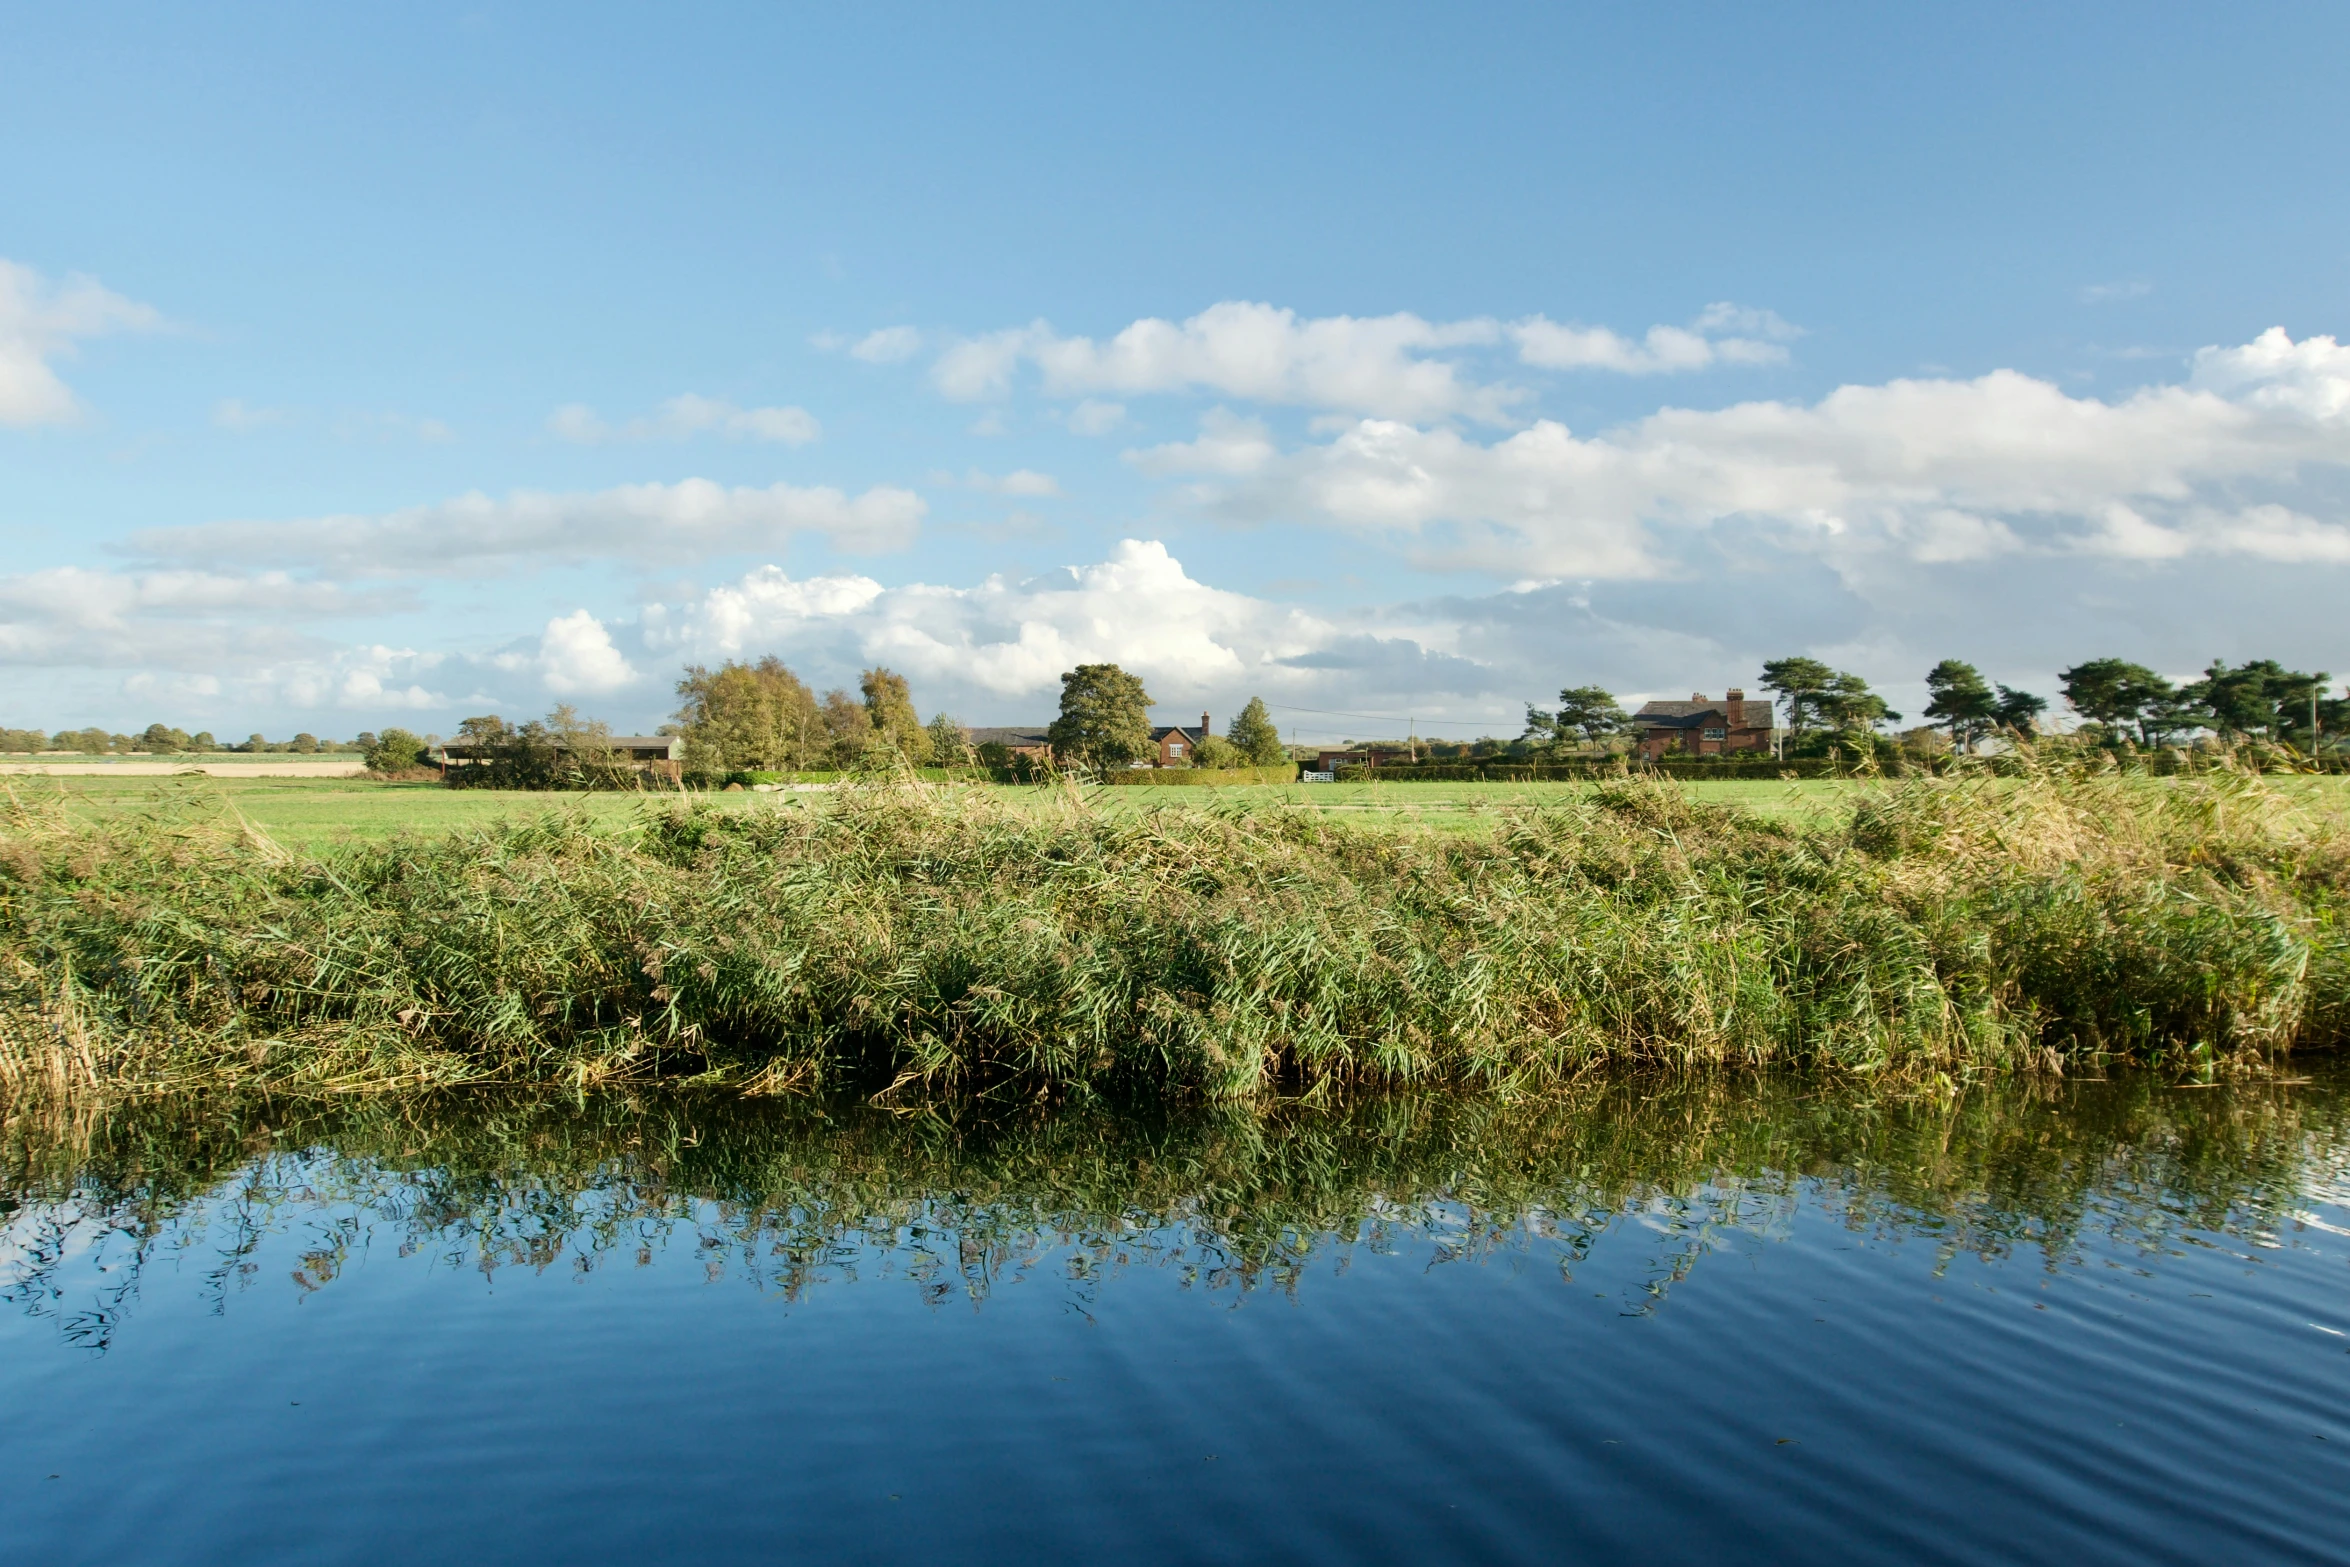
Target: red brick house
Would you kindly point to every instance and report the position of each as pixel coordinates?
(1174, 743)
(1703, 726)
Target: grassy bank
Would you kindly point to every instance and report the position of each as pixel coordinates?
(947, 941)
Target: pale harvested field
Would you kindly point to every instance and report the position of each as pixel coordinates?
(321, 767)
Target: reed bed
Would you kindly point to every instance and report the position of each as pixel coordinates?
(918, 941)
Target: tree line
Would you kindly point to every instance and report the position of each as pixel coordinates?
(2121, 703)
(166, 740)
(760, 717)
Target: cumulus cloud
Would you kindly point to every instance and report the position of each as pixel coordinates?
(1374, 364)
(1007, 641)
(39, 323)
(651, 524)
(1396, 366)
(1929, 470)
(685, 416)
(574, 657)
(1723, 334)
(1228, 443)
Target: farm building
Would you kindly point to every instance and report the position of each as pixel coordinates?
(656, 754)
(1703, 726)
(1029, 740)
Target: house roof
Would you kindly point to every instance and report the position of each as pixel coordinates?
(1162, 731)
(1691, 716)
(636, 745)
(1013, 735)
(1735, 714)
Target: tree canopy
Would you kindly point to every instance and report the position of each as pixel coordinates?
(1958, 698)
(889, 710)
(1105, 717)
(2260, 699)
(395, 751)
(1254, 736)
(950, 742)
(741, 717)
(1585, 715)
(2018, 710)
(2116, 694)
(1803, 684)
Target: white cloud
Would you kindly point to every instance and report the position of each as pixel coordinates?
(1723, 333)
(1020, 481)
(188, 620)
(1383, 366)
(1927, 470)
(651, 524)
(684, 416)
(888, 346)
(575, 657)
(1007, 638)
(1375, 364)
(1227, 444)
(1094, 417)
(232, 413)
(41, 322)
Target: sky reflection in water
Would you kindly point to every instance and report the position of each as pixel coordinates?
(1775, 1320)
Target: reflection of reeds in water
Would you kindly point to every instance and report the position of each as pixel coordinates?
(937, 941)
(793, 1193)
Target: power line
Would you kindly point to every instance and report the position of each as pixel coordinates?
(1388, 718)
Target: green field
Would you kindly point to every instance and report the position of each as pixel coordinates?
(317, 813)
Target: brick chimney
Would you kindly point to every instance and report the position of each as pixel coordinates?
(1203, 726)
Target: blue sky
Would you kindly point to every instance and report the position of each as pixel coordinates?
(360, 368)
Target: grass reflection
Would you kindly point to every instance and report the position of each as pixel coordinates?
(792, 1194)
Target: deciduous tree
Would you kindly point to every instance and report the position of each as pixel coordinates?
(1105, 717)
(745, 717)
(889, 709)
(950, 742)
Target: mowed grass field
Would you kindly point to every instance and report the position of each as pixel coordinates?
(311, 814)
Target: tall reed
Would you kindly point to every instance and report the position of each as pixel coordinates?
(938, 941)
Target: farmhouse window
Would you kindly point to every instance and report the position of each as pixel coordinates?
(1176, 749)
(1717, 734)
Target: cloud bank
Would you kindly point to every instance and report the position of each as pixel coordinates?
(656, 525)
(1933, 471)
(1384, 366)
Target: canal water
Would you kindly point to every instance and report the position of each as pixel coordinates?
(1726, 1320)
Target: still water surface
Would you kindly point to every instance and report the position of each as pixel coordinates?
(1750, 1321)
